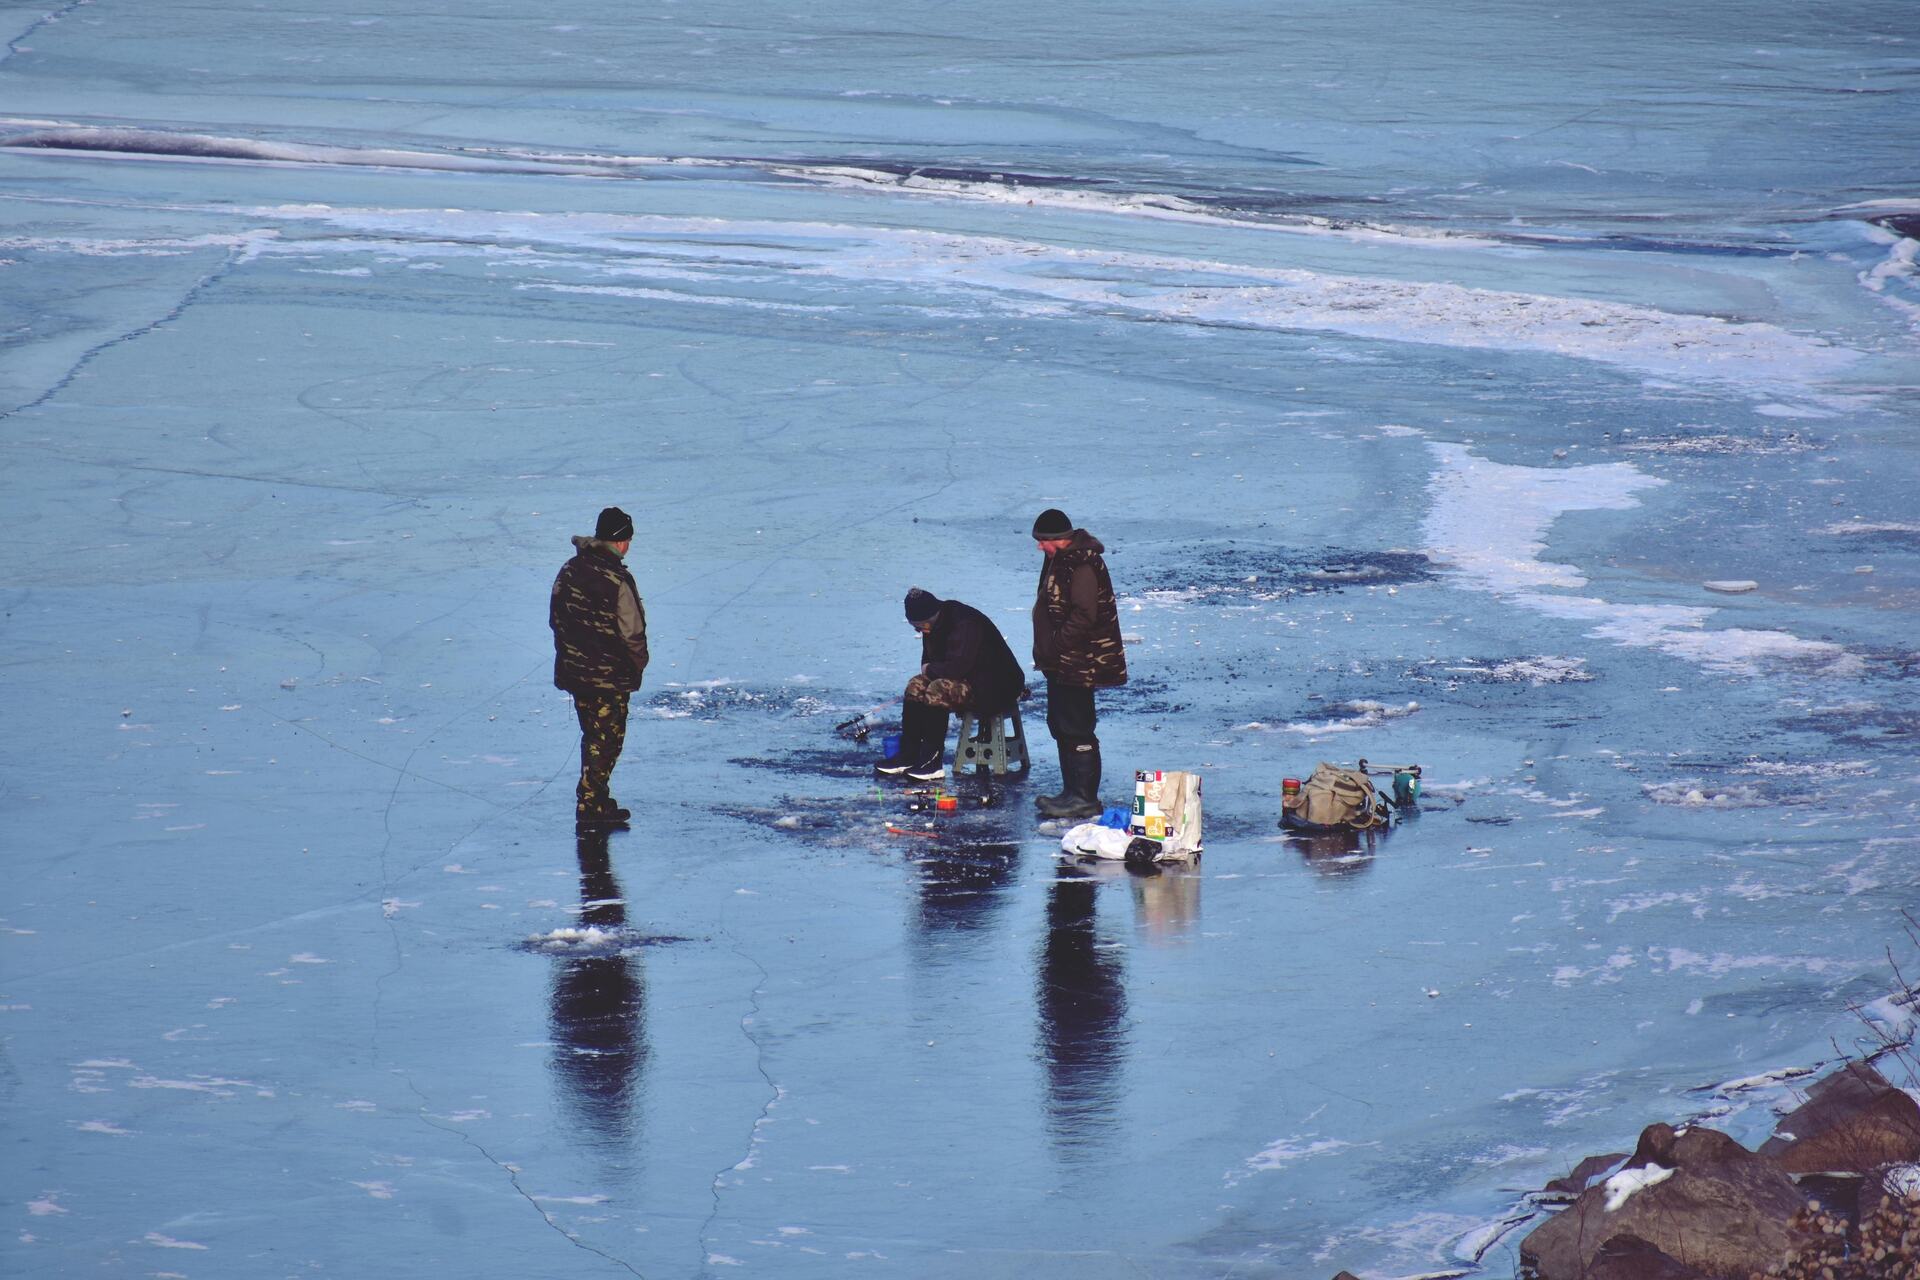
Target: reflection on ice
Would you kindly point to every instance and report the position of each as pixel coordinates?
(961, 889)
(1083, 1006)
(598, 1014)
(315, 418)
(1166, 902)
(1336, 854)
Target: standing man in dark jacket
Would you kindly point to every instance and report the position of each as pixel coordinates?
(964, 664)
(1076, 643)
(599, 655)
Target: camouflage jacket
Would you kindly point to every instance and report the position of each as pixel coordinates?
(965, 645)
(599, 625)
(1076, 623)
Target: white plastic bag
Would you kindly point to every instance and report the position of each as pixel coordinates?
(1092, 840)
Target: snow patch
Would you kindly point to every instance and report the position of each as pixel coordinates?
(1489, 522)
(1622, 1186)
(159, 1241)
(1011, 273)
(102, 1126)
(1691, 793)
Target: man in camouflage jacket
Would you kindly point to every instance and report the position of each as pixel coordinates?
(965, 665)
(599, 654)
(1076, 644)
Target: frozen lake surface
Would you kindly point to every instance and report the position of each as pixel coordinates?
(1530, 396)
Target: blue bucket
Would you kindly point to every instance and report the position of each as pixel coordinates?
(890, 745)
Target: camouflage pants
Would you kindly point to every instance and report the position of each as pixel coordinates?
(948, 695)
(603, 731)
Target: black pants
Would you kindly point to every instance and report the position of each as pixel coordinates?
(603, 732)
(1069, 713)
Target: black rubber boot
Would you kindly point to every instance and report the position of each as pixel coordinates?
(600, 817)
(1046, 804)
(1080, 796)
(923, 734)
(932, 764)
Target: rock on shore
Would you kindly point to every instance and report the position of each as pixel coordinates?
(1693, 1204)
(1695, 1196)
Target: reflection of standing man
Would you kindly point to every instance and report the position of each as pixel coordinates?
(599, 1012)
(1083, 1009)
(599, 655)
(1076, 643)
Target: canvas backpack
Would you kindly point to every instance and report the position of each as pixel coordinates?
(1335, 797)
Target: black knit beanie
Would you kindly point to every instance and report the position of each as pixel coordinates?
(1053, 523)
(615, 525)
(922, 605)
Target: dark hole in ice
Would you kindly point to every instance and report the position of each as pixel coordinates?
(848, 762)
(1250, 572)
(1140, 695)
(1860, 725)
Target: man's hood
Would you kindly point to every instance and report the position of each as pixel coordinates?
(595, 544)
(1083, 544)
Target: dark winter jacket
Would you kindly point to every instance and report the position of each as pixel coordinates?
(599, 625)
(1076, 622)
(965, 645)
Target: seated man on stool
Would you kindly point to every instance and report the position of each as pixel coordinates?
(965, 664)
